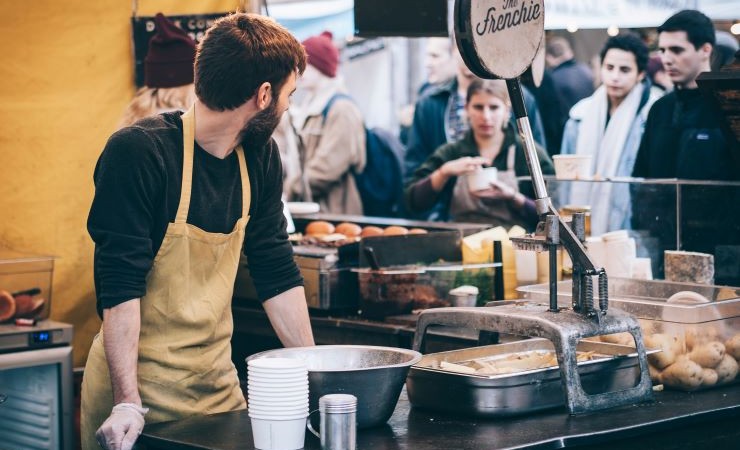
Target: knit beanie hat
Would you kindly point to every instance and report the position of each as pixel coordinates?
(169, 60)
(322, 54)
(654, 66)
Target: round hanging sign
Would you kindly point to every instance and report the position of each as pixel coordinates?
(499, 38)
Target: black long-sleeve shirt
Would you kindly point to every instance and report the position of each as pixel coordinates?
(137, 191)
(683, 139)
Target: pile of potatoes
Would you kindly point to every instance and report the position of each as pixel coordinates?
(691, 357)
(697, 357)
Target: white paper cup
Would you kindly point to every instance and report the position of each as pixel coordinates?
(276, 364)
(257, 397)
(572, 167)
(276, 380)
(279, 434)
(481, 179)
(279, 403)
(277, 385)
(264, 400)
(255, 410)
(642, 269)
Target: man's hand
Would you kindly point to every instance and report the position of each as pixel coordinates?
(122, 428)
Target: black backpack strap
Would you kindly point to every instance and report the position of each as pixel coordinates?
(332, 99)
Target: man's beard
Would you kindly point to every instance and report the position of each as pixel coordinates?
(258, 131)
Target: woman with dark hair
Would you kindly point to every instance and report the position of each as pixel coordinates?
(608, 125)
(442, 179)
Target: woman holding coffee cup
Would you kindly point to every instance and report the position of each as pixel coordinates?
(474, 179)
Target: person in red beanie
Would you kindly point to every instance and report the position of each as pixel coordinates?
(179, 197)
(331, 131)
(168, 74)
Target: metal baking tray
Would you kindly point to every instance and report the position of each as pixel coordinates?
(519, 392)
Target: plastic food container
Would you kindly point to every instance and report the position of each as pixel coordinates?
(700, 340)
(572, 167)
(401, 290)
(27, 277)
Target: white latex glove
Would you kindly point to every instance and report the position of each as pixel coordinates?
(122, 428)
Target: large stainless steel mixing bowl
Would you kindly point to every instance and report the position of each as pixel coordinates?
(375, 375)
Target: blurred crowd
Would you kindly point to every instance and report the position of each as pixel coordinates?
(638, 114)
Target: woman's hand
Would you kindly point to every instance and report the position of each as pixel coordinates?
(455, 168)
(501, 191)
(462, 166)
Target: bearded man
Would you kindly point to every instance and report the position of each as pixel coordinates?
(178, 197)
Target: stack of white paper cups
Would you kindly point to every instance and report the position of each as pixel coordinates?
(278, 402)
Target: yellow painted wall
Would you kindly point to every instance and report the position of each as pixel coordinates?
(65, 77)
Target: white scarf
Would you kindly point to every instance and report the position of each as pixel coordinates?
(605, 143)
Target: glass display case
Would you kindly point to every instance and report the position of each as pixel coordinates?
(660, 215)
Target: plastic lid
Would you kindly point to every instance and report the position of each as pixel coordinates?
(465, 290)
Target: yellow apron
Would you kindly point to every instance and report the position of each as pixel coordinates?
(184, 365)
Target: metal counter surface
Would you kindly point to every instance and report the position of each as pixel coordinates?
(702, 420)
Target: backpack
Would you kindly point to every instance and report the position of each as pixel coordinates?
(381, 182)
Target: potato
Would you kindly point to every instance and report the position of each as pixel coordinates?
(671, 347)
(732, 346)
(618, 338)
(709, 377)
(684, 373)
(726, 369)
(656, 375)
(696, 336)
(647, 326)
(708, 354)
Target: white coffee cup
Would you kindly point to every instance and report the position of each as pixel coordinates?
(572, 167)
(481, 179)
(274, 434)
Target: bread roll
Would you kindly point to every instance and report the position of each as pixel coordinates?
(371, 231)
(319, 228)
(348, 229)
(395, 230)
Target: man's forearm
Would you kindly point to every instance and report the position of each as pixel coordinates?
(121, 326)
(288, 314)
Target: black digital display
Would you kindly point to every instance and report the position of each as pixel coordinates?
(41, 337)
(410, 18)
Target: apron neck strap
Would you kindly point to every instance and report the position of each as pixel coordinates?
(510, 157)
(246, 188)
(188, 143)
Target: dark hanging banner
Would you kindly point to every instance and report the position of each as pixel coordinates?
(143, 30)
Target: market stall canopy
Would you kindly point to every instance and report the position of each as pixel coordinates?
(590, 14)
(307, 17)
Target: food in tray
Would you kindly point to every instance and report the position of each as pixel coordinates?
(20, 305)
(318, 228)
(511, 363)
